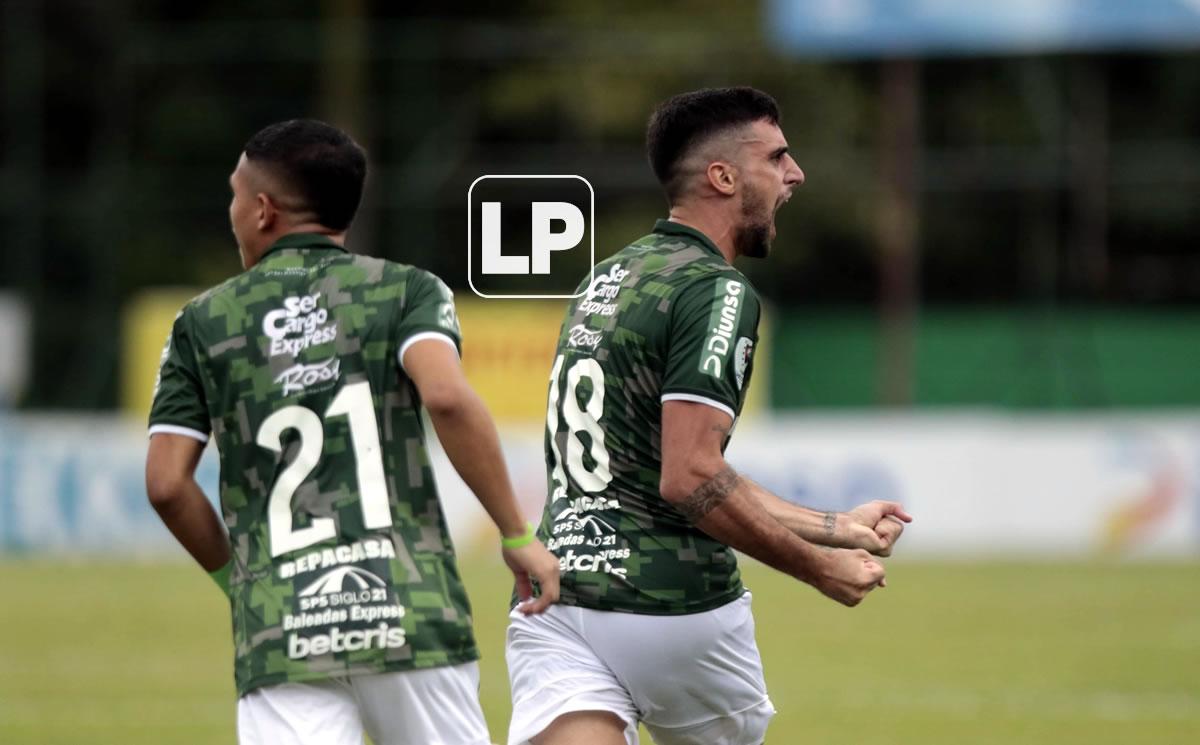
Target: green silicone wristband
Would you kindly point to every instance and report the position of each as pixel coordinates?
(521, 540)
(221, 576)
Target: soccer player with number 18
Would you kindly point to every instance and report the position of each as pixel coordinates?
(652, 368)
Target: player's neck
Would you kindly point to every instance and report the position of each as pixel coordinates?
(337, 236)
(268, 240)
(716, 227)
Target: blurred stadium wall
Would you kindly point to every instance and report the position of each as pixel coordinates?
(984, 300)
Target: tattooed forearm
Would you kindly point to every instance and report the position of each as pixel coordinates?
(709, 495)
(830, 524)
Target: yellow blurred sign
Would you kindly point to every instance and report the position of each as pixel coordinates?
(508, 349)
(146, 323)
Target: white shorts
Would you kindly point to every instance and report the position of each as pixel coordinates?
(439, 706)
(690, 679)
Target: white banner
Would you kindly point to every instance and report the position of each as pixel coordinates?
(991, 483)
(978, 484)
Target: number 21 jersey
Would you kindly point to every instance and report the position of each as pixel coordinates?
(342, 563)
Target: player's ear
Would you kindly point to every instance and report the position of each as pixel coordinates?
(722, 176)
(267, 211)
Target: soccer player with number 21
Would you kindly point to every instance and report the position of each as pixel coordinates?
(309, 370)
(654, 359)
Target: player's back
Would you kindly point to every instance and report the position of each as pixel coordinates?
(666, 318)
(342, 561)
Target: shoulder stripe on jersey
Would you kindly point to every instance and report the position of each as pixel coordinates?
(175, 429)
(422, 337)
(699, 400)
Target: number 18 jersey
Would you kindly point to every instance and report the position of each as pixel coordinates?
(666, 318)
(342, 563)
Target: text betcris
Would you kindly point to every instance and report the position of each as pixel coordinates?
(336, 641)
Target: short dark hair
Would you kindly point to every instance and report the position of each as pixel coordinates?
(321, 163)
(687, 120)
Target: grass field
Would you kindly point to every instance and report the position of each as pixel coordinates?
(975, 653)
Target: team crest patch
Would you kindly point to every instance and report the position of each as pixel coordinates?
(741, 359)
(447, 318)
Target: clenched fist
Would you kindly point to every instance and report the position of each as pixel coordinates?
(876, 526)
(847, 575)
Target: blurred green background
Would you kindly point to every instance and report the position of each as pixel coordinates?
(1054, 192)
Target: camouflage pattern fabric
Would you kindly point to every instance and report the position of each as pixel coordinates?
(665, 318)
(342, 560)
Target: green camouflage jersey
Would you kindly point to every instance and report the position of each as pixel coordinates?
(342, 564)
(666, 318)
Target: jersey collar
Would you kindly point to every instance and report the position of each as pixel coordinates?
(311, 241)
(674, 228)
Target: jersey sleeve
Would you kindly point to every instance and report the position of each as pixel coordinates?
(428, 314)
(710, 343)
(179, 405)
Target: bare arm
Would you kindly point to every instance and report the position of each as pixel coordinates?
(874, 526)
(811, 525)
(706, 489)
(468, 435)
(175, 495)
